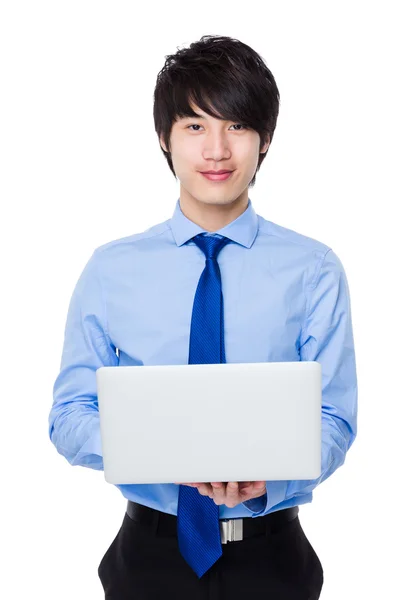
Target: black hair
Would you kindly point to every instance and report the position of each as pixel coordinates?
(221, 74)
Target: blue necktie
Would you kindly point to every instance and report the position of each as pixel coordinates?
(198, 526)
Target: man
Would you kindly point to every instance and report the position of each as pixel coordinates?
(215, 283)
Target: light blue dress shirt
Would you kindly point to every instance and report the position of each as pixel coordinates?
(286, 298)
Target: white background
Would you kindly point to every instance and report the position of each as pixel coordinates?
(81, 165)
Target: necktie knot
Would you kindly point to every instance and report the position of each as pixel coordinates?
(210, 244)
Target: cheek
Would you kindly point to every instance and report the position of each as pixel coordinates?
(247, 156)
(187, 162)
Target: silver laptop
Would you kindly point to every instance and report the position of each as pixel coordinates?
(210, 422)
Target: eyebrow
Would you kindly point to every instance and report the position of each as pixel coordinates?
(200, 116)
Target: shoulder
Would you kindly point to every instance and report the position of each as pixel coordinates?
(286, 236)
(290, 247)
(132, 243)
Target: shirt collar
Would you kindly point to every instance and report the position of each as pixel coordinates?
(242, 230)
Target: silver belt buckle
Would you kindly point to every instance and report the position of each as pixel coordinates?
(231, 530)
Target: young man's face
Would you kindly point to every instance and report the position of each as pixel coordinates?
(207, 143)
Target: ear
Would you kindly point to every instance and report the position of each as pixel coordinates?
(162, 144)
(265, 146)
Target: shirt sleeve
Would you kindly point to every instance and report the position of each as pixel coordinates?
(327, 337)
(74, 426)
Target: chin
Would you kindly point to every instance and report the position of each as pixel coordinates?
(219, 201)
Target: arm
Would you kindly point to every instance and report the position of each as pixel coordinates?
(74, 426)
(327, 337)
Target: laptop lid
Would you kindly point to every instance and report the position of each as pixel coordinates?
(210, 422)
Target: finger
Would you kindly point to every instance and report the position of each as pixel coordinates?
(219, 491)
(205, 489)
(259, 485)
(232, 490)
(259, 489)
(246, 487)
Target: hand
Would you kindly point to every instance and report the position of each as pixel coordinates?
(230, 493)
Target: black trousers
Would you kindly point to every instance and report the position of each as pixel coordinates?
(143, 562)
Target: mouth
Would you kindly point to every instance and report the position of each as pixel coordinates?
(218, 176)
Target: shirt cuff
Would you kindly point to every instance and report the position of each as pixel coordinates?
(275, 494)
(256, 505)
(90, 454)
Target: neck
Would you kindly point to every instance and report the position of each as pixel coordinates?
(212, 217)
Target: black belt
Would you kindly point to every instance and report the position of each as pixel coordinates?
(164, 524)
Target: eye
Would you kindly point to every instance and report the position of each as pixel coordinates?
(241, 125)
(235, 125)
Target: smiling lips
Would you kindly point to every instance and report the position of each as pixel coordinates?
(218, 172)
(217, 175)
